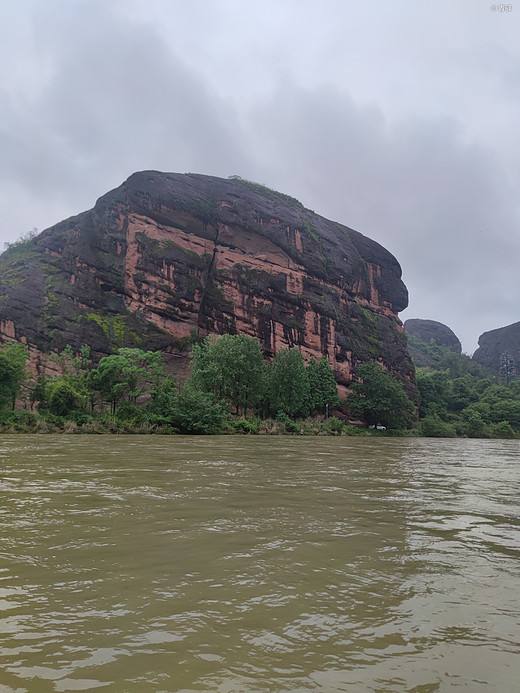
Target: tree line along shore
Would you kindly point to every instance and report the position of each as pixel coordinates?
(234, 390)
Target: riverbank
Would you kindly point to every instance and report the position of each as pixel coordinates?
(27, 421)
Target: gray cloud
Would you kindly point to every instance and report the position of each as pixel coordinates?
(117, 100)
(440, 203)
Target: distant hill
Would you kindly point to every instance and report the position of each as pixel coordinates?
(425, 334)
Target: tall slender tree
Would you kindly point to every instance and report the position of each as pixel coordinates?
(126, 375)
(288, 384)
(380, 398)
(323, 388)
(232, 368)
(12, 372)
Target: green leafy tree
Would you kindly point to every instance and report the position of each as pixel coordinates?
(70, 363)
(379, 398)
(506, 410)
(288, 384)
(39, 391)
(186, 409)
(232, 368)
(503, 430)
(192, 411)
(459, 365)
(65, 360)
(474, 424)
(460, 395)
(161, 397)
(322, 385)
(126, 375)
(63, 397)
(12, 372)
(502, 403)
(482, 408)
(434, 427)
(433, 392)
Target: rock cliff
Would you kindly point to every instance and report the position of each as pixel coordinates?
(167, 257)
(500, 350)
(431, 330)
(421, 333)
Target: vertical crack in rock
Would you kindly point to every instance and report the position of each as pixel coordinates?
(209, 284)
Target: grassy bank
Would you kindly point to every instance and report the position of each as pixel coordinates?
(26, 421)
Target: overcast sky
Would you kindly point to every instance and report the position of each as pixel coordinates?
(399, 119)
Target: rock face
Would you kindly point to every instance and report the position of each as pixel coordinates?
(428, 330)
(500, 350)
(168, 257)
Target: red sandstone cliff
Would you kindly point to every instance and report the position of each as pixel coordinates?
(165, 257)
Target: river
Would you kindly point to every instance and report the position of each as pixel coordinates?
(143, 564)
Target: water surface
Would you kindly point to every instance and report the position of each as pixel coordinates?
(247, 564)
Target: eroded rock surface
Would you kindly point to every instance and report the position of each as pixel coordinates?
(431, 330)
(500, 350)
(166, 257)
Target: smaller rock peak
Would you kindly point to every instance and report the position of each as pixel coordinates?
(431, 330)
(500, 349)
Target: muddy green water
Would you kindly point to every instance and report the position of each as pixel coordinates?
(249, 564)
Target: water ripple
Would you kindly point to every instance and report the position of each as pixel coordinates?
(248, 564)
